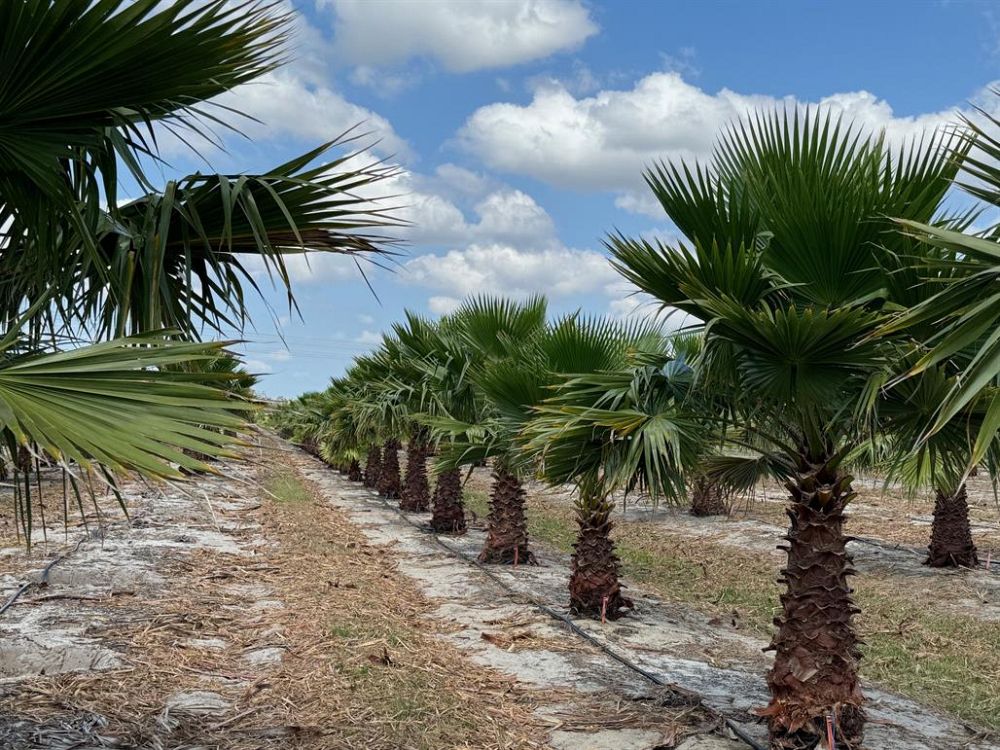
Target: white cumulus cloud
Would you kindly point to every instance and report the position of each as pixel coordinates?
(505, 269)
(288, 104)
(603, 141)
(440, 305)
(462, 36)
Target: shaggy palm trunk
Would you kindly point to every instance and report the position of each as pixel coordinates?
(707, 498)
(507, 527)
(373, 467)
(951, 537)
(815, 674)
(448, 514)
(416, 490)
(309, 446)
(594, 587)
(354, 470)
(388, 478)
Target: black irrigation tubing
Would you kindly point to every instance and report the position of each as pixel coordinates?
(43, 579)
(916, 553)
(574, 628)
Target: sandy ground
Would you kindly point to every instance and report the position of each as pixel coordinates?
(208, 623)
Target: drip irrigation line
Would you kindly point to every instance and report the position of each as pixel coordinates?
(993, 564)
(575, 629)
(43, 580)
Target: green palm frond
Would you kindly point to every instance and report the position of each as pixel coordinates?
(86, 81)
(175, 257)
(963, 313)
(618, 431)
(498, 326)
(121, 404)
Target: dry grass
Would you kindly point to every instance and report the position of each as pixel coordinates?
(362, 667)
(367, 670)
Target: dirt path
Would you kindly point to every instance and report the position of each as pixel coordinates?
(251, 611)
(245, 614)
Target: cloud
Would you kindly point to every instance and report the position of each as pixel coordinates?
(309, 267)
(297, 100)
(603, 141)
(497, 215)
(287, 104)
(382, 83)
(457, 206)
(504, 269)
(257, 367)
(461, 36)
(443, 305)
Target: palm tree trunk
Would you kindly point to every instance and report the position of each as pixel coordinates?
(951, 537)
(373, 466)
(707, 498)
(815, 672)
(507, 526)
(416, 490)
(594, 587)
(354, 470)
(388, 478)
(448, 514)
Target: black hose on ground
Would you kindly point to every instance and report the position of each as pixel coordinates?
(43, 580)
(988, 566)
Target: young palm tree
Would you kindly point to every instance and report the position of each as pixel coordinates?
(708, 497)
(427, 355)
(493, 331)
(379, 396)
(940, 460)
(786, 234)
(627, 425)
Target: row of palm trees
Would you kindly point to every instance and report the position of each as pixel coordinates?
(105, 300)
(843, 320)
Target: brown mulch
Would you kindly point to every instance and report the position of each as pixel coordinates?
(361, 666)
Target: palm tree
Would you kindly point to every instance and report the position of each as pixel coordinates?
(626, 425)
(380, 397)
(965, 314)
(786, 233)
(428, 354)
(939, 460)
(480, 415)
(86, 93)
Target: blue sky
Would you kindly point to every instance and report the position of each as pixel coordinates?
(523, 127)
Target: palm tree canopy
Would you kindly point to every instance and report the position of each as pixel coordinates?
(88, 88)
(963, 313)
(786, 231)
(125, 73)
(629, 426)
